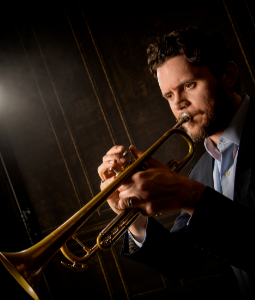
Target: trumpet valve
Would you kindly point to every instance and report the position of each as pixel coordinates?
(117, 173)
(127, 154)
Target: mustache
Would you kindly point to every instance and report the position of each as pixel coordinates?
(192, 114)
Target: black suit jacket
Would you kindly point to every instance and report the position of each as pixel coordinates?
(219, 227)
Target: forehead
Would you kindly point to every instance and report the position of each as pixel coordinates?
(175, 70)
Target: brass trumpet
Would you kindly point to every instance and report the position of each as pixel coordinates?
(27, 266)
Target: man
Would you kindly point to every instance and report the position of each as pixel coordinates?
(197, 75)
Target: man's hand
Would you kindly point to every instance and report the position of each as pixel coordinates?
(113, 159)
(155, 190)
(159, 189)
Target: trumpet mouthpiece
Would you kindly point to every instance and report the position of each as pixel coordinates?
(185, 118)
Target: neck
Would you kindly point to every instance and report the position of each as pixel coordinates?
(236, 103)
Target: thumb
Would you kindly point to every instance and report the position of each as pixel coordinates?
(135, 152)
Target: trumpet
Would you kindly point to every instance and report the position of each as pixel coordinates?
(27, 266)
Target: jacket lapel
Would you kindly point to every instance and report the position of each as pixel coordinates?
(202, 171)
(244, 191)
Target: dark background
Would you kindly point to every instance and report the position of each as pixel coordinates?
(73, 83)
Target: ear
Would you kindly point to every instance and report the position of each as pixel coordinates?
(230, 75)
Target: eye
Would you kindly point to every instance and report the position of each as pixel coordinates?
(189, 85)
(169, 96)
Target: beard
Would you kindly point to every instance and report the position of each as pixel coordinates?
(217, 116)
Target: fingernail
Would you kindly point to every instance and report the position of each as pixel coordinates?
(123, 160)
(119, 148)
(111, 161)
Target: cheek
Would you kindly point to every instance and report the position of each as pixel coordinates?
(203, 98)
(210, 88)
(173, 110)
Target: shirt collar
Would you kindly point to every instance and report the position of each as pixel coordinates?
(233, 132)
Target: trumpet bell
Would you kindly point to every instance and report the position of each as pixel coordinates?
(22, 276)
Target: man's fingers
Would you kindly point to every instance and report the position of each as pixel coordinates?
(129, 202)
(112, 157)
(126, 185)
(104, 168)
(105, 183)
(115, 149)
(133, 201)
(117, 205)
(110, 161)
(135, 152)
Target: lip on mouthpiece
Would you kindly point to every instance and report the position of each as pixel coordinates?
(183, 119)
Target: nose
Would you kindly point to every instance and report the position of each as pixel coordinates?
(180, 102)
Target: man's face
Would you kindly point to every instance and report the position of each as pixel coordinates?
(196, 91)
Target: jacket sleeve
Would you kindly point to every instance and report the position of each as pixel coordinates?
(224, 229)
(219, 227)
(163, 252)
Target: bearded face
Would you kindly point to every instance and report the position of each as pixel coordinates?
(217, 116)
(196, 91)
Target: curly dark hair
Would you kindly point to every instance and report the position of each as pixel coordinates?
(201, 46)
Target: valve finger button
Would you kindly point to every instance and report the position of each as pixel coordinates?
(129, 155)
(117, 173)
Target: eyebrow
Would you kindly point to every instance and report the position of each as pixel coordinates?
(180, 84)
